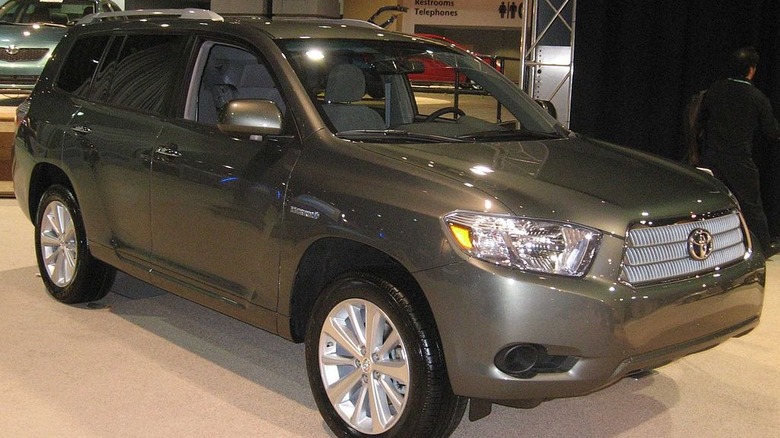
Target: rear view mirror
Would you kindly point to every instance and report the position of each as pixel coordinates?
(61, 19)
(250, 117)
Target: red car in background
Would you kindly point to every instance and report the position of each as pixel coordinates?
(437, 72)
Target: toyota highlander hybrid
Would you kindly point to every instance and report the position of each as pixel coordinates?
(432, 247)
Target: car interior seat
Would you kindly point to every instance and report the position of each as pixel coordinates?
(217, 88)
(256, 83)
(345, 86)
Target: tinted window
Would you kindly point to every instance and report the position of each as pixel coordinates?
(106, 71)
(80, 66)
(138, 72)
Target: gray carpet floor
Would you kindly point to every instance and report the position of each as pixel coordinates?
(145, 363)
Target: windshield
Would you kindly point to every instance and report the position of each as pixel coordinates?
(47, 11)
(396, 91)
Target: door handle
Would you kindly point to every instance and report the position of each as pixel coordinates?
(170, 150)
(81, 129)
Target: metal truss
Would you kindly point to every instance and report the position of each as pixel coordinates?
(548, 52)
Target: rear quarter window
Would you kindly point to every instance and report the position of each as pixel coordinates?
(81, 63)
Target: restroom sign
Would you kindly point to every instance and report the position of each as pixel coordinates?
(470, 13)
(435, 8)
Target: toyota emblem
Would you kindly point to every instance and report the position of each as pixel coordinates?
(699, 244)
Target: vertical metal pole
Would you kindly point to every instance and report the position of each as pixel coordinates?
(524, 42)
(456, 93)
(571, 60)
(534, 34)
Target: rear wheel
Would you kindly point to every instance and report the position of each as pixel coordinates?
(375, 363)
(69, 271)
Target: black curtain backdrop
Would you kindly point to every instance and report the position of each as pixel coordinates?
(638, 62)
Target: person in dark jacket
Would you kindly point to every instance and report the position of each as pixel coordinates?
(734, 114)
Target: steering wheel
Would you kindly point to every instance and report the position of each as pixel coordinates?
(442, 111)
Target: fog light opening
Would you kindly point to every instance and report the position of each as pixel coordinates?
(520, 360)
(525, 361)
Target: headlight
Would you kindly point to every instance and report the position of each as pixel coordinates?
(527, 244)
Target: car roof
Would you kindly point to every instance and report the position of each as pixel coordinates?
(275, 28)
(303, 27)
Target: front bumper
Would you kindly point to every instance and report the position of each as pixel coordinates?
(601, 330)
(17, 84)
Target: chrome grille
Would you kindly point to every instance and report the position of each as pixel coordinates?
(661, 253)
(22, 55)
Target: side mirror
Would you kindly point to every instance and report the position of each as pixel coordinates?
(548, 106)
(250, 117)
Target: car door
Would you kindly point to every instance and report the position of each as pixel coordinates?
(115, 148)
(216, 200)
(112, 134)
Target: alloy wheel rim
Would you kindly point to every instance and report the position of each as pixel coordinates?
(364, 366)
(58, 244)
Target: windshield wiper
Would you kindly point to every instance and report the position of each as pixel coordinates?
(394, 135)
(511, 134)
(45, 24)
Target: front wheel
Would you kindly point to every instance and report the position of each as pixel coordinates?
(375, 362)
(69, 271)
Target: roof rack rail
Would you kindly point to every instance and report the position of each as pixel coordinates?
(326, 20)
(139, 14)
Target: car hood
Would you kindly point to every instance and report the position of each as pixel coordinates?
(573, 179)
(30, 35)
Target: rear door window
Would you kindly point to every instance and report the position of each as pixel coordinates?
(131, 71)
(139, 72)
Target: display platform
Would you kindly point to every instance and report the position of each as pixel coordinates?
(6, 189)
(7, 127)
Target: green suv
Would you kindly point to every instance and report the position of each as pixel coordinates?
(433, 247)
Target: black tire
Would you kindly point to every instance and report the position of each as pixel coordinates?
(422, 406)
(69, 271)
